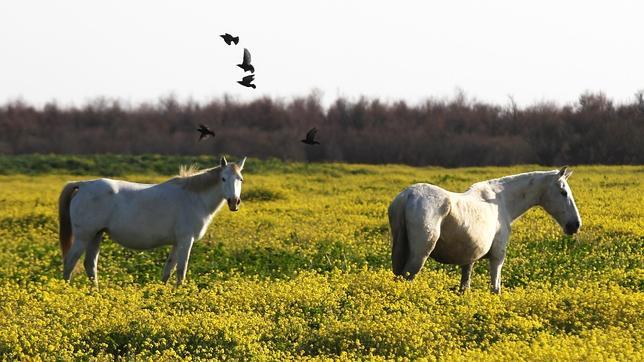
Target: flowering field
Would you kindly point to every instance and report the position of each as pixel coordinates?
(302, 271)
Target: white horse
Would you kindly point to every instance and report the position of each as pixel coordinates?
(143, 216)
(461, 228)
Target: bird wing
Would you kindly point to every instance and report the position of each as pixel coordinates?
(310, 135)
(246, 57)
(249, 78)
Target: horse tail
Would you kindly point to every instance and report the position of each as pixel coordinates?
(400, 242)
(64, 218)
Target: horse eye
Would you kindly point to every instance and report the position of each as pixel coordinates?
(564, 193)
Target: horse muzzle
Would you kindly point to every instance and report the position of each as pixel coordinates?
(572, 227)
(233, 203)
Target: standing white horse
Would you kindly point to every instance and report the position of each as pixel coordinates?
(461, 228)
(143, 216)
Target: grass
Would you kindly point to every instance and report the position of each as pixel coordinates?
(307, 273)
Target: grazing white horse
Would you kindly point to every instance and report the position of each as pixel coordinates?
(143, 216)
(461, 228)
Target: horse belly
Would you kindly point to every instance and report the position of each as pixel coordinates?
(458, 251)
(139, 226)
(135, 239)
(463, 244)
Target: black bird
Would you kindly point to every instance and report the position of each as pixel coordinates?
(310, 137)
(229, 38)
(245, 65)
(246, 81)
(205, 132)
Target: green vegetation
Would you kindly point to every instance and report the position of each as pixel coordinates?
(302, 271)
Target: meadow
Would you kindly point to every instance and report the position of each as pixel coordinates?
(302, 271)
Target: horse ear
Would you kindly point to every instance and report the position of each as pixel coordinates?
(564, 172)
(223, 161)
(241, 164)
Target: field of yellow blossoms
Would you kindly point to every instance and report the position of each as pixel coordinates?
(302, 271)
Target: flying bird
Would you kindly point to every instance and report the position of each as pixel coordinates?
(246, 81)
(229, 38)
(245, 65)
(205, 132)
(310, 137)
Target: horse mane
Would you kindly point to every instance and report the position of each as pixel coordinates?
(501, 181)
(519, 176)
(195, 179)
(189, 170)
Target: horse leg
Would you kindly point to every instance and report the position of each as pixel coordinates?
(72, 256)
(91, 258)
(495, 274)
(182, 256)
(424, 216)
(170, 263)
(422, 241)
(497, 257)
(466, 273)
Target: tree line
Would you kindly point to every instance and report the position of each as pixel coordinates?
(450, 132)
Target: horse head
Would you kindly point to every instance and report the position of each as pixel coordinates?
(231, 180)
(558, 201)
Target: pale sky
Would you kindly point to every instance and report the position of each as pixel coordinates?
(75, 50)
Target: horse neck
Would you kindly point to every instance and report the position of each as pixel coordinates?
(212, 197)
(206, 186)
(520, 192)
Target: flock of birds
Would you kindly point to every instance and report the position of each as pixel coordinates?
(246, 81)
(245, 64)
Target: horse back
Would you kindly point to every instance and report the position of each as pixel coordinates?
(127, 210)
(426, 202)
(104, 193)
